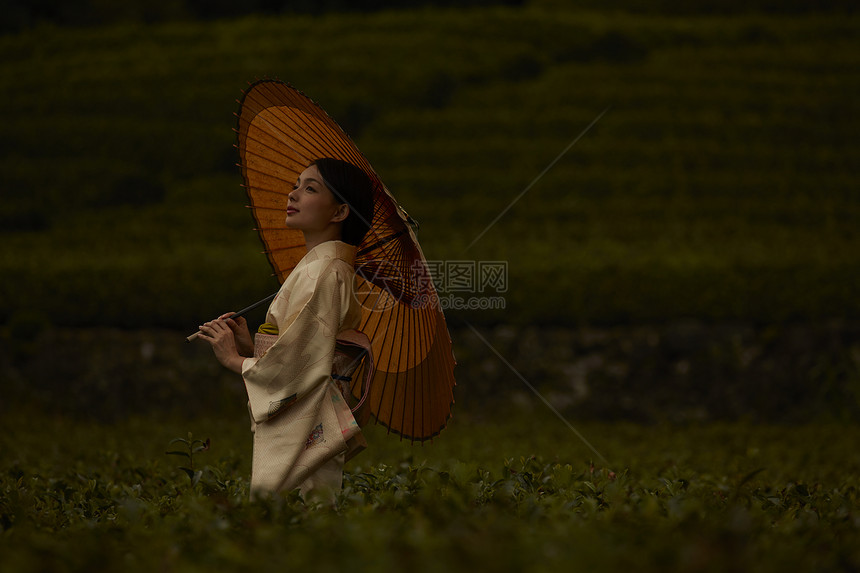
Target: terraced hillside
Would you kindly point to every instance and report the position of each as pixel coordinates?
(720, 183)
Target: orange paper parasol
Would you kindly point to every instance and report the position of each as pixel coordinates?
(280, 132)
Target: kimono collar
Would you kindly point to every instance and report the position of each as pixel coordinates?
(332, 250)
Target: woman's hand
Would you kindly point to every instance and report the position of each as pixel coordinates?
(244, 340)
(223, 341)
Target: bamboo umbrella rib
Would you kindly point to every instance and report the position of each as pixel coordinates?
(432, 423)
(395, 395)
(443, 397)
(433, 371)
(275, 209)
(409, 381)
(265, 175)
(426, 321)
(397, 279)
(413, 340)
(264, 164)
(429, 397)
(363, 291)
(375, 306)
(281, 124)
(299, 124)
(376, 316)
(282, 135)
(403, 380)
(323, 119)
(398, 412)
(390, 402)
(367, 250)
(250, 136)
(269, 184)
(373, 230)
(399, 391)
(289, 248)
(266, 132)
(438, 368)
(330, 126)
(408, 389)
(269, 220)
(436, 402)
(264, 190)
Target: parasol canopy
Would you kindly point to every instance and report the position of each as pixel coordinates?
(280, 132)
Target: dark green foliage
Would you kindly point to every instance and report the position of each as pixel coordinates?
(487, 496)
(22, 219)
(22, 14)
(679, 372)
(719, 186)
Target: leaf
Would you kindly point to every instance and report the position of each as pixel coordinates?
(202, 447)
(749, 476)
(183, 440)
(178, 453)
(189, 472)
(195, 479)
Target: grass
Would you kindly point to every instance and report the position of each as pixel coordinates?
(517, 495)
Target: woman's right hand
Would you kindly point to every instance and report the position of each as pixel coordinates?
(244, 340)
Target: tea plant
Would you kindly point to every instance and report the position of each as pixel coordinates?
(702, 499)
(192, 447)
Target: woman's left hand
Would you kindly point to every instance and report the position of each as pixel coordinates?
(220, 336)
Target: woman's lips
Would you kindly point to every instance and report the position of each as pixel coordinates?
(291, 210)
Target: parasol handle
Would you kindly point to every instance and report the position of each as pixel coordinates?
(194, 336)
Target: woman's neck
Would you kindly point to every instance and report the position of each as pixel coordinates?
(318, 238)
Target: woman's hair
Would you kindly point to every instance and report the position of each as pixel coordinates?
(350, 185)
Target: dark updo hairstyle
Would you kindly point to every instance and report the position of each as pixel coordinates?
(350, 185)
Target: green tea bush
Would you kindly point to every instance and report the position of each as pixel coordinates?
(714, 498)
(718, 185)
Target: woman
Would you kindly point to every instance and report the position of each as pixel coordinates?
(301, 422)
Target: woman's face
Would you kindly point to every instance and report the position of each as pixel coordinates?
(312, 205)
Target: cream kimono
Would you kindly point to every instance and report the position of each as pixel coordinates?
(301, 422)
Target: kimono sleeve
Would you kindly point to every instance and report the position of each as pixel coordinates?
(300, 360)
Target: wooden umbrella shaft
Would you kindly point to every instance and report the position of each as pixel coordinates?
(237, 314)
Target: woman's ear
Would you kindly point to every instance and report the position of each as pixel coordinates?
(341, 213)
